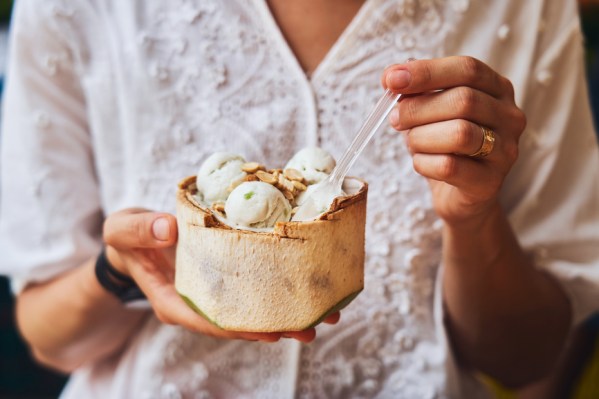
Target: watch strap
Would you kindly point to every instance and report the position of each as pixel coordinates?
(115, 282)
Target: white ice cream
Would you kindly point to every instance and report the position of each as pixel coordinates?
(301, 198)
(314, 163)
(257, 205)
(216, 175)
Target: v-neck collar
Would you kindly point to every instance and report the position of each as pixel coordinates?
(327, 61)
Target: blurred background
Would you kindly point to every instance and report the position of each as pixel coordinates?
(21, 378)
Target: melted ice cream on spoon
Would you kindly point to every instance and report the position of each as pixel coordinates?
(327, 190)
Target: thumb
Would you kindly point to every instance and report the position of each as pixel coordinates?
(134, 228)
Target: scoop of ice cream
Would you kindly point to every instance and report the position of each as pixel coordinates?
(216, 175)
(257, 204)
(314, 163)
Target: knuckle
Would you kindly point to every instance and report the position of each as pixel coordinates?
(448, 167)
(471, 67)
(125, 229)
(140, 230)
(409, 112)
(426, 73)
(464, 100)
(508, 86)
(463, 137)
(520, 120)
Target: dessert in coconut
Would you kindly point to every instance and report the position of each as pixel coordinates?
(245, 266)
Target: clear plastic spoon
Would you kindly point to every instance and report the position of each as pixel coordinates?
(326, 191)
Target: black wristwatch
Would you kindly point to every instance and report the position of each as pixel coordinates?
(115, 282)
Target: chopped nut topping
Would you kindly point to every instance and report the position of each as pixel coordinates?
(293, 174)
(266, 177)
(290, 182)
(299, 185)
(252, 167)
(288, 195)
(284, 184)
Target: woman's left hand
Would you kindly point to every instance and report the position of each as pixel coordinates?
(447, 103)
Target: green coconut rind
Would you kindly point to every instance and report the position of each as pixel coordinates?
(337, 307)
(193, 306)
(340, 305)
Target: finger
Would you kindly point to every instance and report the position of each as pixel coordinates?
(155, 261)
(420, 76)
(310, 334)
(305, 336)
(333, 318)
(457, 136)
(251, 336)
(476, 179)
(133, 229)
(456, 103)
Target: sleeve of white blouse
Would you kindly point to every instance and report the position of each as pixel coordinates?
(50, 217)
(552, 194)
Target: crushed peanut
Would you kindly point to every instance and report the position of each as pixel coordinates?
(266, 177)
(299, 185)
(293, 174)
(284, 184)
(290, 182)
(252, 167)
(289, 195)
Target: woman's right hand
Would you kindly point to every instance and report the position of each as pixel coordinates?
(141, 244)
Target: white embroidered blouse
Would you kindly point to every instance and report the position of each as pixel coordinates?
(110, 103)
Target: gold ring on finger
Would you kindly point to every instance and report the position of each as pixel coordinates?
(487, 145)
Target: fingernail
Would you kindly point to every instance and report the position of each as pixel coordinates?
(399, 79)
(394, 117)
(161, 229)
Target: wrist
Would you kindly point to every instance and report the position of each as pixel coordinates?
(119, 284)
(477, 241)
(476, 221)
(115, 260)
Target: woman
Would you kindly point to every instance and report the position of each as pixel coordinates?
(110, 103)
